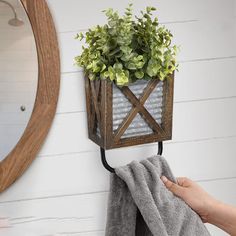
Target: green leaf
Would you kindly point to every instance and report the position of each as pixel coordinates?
(161, 76)
(92, 76)
(115, 51)
(79, 36)
(111, 73)
(103, 67)
(117, 66)
(153, 68)
(139, 74)
(121, 79)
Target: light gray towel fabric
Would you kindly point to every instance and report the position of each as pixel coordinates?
(140, 205)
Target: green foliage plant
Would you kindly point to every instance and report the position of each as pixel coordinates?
(125, 50)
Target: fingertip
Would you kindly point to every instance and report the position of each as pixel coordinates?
(164, 179)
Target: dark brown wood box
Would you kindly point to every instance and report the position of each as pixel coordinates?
(143, 116)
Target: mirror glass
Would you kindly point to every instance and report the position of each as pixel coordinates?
(18, 73)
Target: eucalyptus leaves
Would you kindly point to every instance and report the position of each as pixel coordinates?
(124, 50)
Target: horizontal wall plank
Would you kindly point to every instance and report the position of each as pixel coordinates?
(26, 231)
(198, 40)
(191, 121)
(208, 39)
(202, 120)
(81, 214)
(65, 174)
(194, 81)
(68, 134)
(51, 216)
(82, 16)
(205, 80)
(72, 93)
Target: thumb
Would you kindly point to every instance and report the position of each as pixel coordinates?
(174, 188)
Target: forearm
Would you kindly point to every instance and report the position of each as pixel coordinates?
(224, 217)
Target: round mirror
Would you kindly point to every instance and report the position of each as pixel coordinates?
(29, 83)
(18, 73)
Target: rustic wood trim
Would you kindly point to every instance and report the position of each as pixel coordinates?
(137, 140)
(98, 97)
(88, 107)
(94, 93)
(107, 115)
(168, 93)
(25, 151)
(92, 119)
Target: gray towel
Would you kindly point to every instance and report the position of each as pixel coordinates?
(140, 205)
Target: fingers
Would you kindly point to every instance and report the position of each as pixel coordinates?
(174, 188)
(184, 182)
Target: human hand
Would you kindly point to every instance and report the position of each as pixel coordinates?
(199, 200)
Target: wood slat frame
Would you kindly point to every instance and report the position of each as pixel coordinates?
(100, 113)
(25, 151)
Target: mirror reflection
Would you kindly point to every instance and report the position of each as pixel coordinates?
(18, 73)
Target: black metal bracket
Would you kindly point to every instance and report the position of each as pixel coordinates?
(112, 170)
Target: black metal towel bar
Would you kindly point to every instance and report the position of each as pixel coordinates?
(109, 168)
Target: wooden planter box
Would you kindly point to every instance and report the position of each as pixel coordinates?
(135, 114)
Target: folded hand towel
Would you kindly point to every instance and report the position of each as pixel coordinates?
(140, 205)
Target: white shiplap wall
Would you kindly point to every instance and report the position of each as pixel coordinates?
(65, 190)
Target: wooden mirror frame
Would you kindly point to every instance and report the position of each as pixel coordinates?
(25, 151)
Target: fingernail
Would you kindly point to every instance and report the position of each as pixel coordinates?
(164, 179)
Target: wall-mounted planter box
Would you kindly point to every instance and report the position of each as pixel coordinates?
(135, 114)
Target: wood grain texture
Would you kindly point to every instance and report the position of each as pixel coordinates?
(14, 165)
